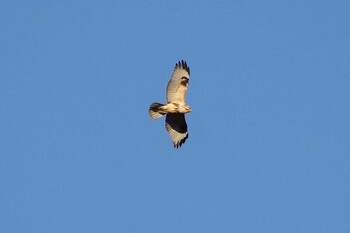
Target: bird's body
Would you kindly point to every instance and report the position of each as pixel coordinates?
(168, 108)
(176, 107)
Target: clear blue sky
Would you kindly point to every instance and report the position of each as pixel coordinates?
(269, 135)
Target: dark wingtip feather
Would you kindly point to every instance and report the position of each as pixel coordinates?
(183, 65)
(179, 144)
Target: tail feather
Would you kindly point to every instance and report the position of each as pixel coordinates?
(154, 111)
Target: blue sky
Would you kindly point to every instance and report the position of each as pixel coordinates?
(268, 148)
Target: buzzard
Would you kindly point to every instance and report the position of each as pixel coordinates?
(176, 107)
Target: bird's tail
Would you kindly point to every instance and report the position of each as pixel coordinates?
(155, 111)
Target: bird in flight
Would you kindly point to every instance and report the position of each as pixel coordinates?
(175, 108)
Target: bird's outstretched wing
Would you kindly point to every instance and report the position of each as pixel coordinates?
(176, 126)
(177, 86)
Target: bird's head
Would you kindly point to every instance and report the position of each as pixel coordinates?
(188, 108)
